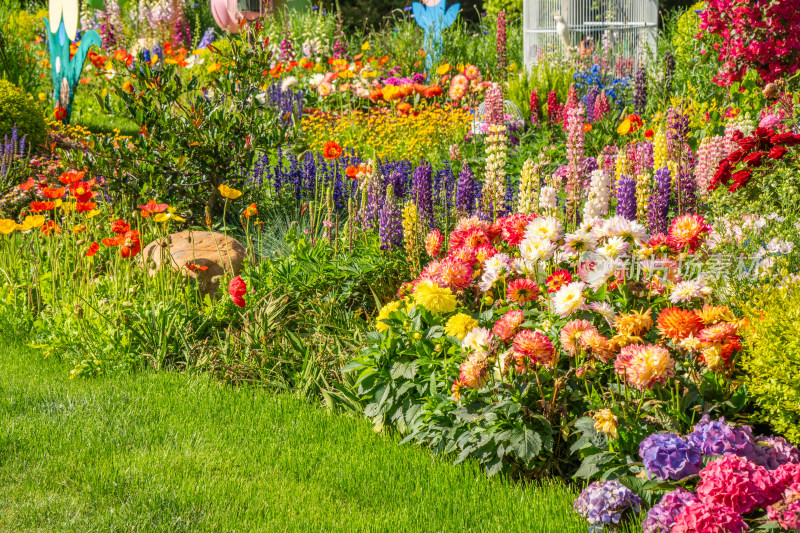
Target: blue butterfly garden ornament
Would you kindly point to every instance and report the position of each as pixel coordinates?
(432, 17)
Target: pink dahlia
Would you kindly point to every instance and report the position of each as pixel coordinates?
(512, 227)
(687, 230)
(698, 517)
(522, 290)
(571, 334)
(474, 371)
(644, 365)
(736, 483)
(433, 243)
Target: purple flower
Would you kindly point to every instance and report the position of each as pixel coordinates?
(669, 72)
(390, 226)
(659, 203)
(715, 437)
(605, 502)
(772, 452)
(418, 77)
(465, 191)
(640, 91)
(661, 516)
(626, 198)
(421, 190)
(669, 456)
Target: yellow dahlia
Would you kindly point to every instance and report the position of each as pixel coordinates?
(644, 365)
(635, 323)
(713, 314)
(434, 298)
(713, 358)
(676, 324)
(605, 421)
(459, 325)
(621, 340)
(384, 313)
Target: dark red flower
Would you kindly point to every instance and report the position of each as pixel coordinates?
(753, 159)
(737, 156)
(777, 152)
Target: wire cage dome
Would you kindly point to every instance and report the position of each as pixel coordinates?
(588, 27)
(511, 113)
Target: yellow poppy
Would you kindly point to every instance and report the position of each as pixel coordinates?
(442, 70)
(229, 192)
(93, 213)
(365, 46)
(625, 127)
(7, 226)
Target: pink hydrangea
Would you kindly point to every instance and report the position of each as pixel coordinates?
(787, 511)
(698, 517)
(736, 483)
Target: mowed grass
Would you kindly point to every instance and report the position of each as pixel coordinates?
(179, 452)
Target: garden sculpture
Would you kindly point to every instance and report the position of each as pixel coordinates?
(62, 29)
(433, 18)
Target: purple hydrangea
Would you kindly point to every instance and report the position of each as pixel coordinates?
(661, 516)
(772, 452)
(715, 437)
(605, 502)
(668, 456)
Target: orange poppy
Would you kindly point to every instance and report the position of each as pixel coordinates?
(50, 228)
(82, 190)
(404, 107)
(250, 210)
(131, 245)
(152, 207)
(648, 134)
(193, 267)
(71, 176)
(331, 150)
(587, 127)
(433, 91)
(53, 193)
(28, 185)
(85, 207)
(93, 248)
(120, 227)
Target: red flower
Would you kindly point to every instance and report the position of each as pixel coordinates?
(60, 113)
(82, 190)
(53, 193)
(753, 159)
(558, 279)
(93, 248)
(648, 134)
(152, 207)
(71, 176)
(777, 152)
(37, 207)
(120, 226)
(28, 185)
(237, 288)
(433, 91)
(131, 246)
(193, 267)
(85, 207)
(50, 227)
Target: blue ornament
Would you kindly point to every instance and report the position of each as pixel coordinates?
(432, 17)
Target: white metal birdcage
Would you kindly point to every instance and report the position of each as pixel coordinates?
(511, 114)
(602, 28)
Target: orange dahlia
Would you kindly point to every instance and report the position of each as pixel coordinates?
(644, 365)
(687, 231)
(718, 333)
(535, 346)
(597, 345)
(635, 323)
(474, 371)
(508, 325)
(676, 324)
(713, 314)
(571, 334)
(522, 290)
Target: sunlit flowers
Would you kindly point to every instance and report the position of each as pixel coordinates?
(152, 207)
(522, 290)
(676, 324)
(434, 298)
(474, 371)
(131, 246)
(630, 124)
(7, 226)
(459, 325)
(687, 231)
(644, 365)
(605, 421)
(433, 243)
(229, 192)
(508, 325)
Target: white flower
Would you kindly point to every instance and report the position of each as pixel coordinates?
(544, 228)
(290, 81)
(488, 279)
(613, 248)
(497, 262)
(686, 291)
(316, 79)
(478, 339)
(580, 241)
(568, 299)
(548, 197)
(533, 249)
(600, 274)
(605, 310)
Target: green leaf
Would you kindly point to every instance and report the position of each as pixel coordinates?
(527, 444)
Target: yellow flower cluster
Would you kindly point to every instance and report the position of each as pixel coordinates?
(390, 133)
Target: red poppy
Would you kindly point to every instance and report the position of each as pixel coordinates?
(120, 226)
(648, 134)
(433, 91)
(71, 176)
(331, 150)
(193, 267)
(53, 193)
(131, 245)
(28, 185)
(587, 127)
(50, 228)
(93, 248)
(38, 207)
(60, 113)
(85, 207)
(82, 190)
(237, 288)
(152, 207)
(116, 241)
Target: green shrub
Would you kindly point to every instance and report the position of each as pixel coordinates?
(772, 364)
(684, 38)
(17, 107)
(512, 7)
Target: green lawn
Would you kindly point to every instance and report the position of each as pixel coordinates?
(176, 452)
